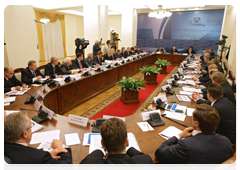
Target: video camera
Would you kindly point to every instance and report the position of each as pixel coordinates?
(222, 41)
(82, 42)
(113, 44)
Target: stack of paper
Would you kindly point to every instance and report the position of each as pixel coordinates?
(9, 99)
(174, 115)
(170, 132)
(145, 126)
(47, 136)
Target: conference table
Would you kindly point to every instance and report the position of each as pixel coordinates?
(75, 93)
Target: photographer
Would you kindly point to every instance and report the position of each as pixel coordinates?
(80, 47)
(97, 47)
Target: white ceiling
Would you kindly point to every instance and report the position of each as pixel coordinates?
(116, 9)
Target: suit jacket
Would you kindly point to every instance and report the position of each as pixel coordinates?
(174, 51)
(124, 54)
(27, 75)
(77, 50)
(20, 154)
(127, 53)
(50, 72)
(132, 156)
(227, 92)
(89, 63)
(198, 149)
(76, 65)
(227, 124)
(140, 51)
(106, 57)
(193, 52)
(96, 60)
(136, 51)
(96, 48)
(162, 50)
(8, 84)
(65, 68)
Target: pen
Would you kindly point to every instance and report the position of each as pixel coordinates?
(148, 127)
(164, 135)
(50, 146)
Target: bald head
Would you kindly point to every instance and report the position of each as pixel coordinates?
(8, 72)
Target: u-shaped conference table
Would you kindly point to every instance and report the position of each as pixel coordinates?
(72, 94)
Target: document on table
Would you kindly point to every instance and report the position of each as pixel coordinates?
(18, 92)
(9, 99)
(186, 93)
(190, 111)
(11, 111)
(192, 89)
(183, 98)
(145, 126)
(72, 139)
(87, 138)
(178, 107)
(96, 142)
(36, 126)
(169, 132)
(47, 136)
(174, 115)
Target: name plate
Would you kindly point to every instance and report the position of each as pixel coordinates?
(46, 88)
(77, 76)
(146, 115)
(39, 93)
(78, 120)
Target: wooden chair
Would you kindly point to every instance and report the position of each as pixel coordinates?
(225, 67)
(18, 70)
(18, 74)
(230, 164)
(41, 68)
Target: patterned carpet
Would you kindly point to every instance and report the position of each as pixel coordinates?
(99, 107)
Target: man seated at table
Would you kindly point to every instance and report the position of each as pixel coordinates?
(201, 144)
(203, 69)
(160, 49)
(119, 55)
(31, 73)
(132, 52)
(52, 69)
(11, 83)
(90, 62)
(66, 66)
(219, 78)
(201, 58)
(108, 56)
(190, 51)
(136, 50)
(124, 52)
(226, 109)
(174, 50)
(78, 62)
(114, 139)
(140, 49)
(98, 58)
(17, 136)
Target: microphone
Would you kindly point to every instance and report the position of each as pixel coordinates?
(40, 117)
(30, 100)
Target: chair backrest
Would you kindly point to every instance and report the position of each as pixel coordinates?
(18, 70)
(231, 78)
(41, 68)
(230, 164)
(18, 74)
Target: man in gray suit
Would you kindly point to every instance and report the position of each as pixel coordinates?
(89, 61)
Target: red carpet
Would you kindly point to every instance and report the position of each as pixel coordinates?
(118, 108)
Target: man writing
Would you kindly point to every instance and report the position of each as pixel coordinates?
(66, 66)
(201, 145)
(114, 139)
(18, 134)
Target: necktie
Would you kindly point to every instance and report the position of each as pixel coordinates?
(53, 69)
(34, 74)
(80, 64)
(99, 60)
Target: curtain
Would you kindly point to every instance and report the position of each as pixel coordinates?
(52, 40)
(53, 18)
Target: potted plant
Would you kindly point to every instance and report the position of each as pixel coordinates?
(150, 74)
(163, 64)
(130, 88)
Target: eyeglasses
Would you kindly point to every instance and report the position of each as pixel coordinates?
(28, 128)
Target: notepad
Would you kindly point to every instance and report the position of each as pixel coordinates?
(72, 139)
(145, 126)
(169, 132)
(47, 136)
(183, 98)
(174, 115)
(190, 111)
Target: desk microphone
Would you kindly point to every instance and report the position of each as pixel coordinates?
(30, 100)
(40, 117)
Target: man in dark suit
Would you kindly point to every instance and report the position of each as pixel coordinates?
(160, 49)
(136, 50)
(132, 52)
(31, 73)
(127, 52)
(78, 62)
(119, 54)
(96, 47)
(219, 78)
(174, 50)
(17, 135)
(52, 69)
(114, 139)
(89, 61)
(98, 58)
(124, 52)
(11, 83)
(108, 56)
(190, 51)
(201, 145)
(66, 66)
(226, 109)
(140, 49)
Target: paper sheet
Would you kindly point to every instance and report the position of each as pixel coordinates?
(169, 132)
(174, 115)
(11, 111)
(36, 126)
(190, 111)
(47, 136)
(145, 126)
(183, 98)
(72, 139)
(9, 99)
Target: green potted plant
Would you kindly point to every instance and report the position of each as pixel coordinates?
(150, 74)
(130, 88)
(161, 63)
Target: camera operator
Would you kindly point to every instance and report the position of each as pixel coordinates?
(107, 47)
(97, 47)
(80, 48)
